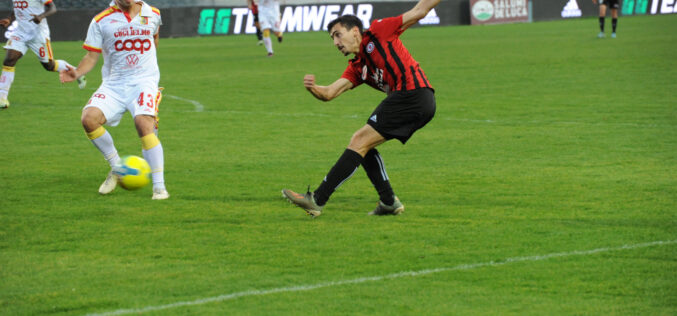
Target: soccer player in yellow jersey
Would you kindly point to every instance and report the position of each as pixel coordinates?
(127, 34)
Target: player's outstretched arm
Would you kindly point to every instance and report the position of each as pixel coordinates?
(86, 65)
(326, 93)
(419, 11)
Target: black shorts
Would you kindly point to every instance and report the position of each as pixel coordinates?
(256, 17)
(610, 3)
(402, 113)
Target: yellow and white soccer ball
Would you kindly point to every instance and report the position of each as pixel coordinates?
(133, 172)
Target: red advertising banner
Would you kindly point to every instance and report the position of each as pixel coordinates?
(498, 11)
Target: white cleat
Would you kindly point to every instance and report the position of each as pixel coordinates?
(109, 184)
(4, 103)
(160, 194)
(82, 82)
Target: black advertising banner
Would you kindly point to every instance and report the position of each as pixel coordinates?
(71, 25)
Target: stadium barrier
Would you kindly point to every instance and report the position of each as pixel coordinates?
(71, 25)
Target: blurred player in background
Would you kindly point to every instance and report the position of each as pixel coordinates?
(127, 34)
(603, 4)
(29, 30)
(255, 11)
(382, 62)
(269, 19)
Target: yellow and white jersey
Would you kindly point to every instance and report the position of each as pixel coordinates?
(127, 44)
(269, 7)
(26, 29)
(25, 9)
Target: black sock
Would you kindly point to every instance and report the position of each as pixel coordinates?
(601, 23)
(340, 172)
(614, 22)
(376, 171)
(259, 35)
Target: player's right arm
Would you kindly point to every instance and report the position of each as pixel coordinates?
(86, 65)
(326, 93)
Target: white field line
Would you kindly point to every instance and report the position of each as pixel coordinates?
(198, 106)
(309, 287)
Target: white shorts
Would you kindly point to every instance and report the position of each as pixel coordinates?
(138, 99)
(269, 21)
(22, 35)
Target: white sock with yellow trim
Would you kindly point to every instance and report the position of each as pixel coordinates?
(154, 155)
(267, 42)
(60, 65)
(6, 80)
(103, 141)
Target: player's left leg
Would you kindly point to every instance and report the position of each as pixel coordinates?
(267, 42)
(145, 111)
(388, 204)
(614, 21)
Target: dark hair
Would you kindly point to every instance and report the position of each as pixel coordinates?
(348, 21)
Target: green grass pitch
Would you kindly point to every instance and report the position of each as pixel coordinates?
(549, 145)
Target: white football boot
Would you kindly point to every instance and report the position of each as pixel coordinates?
(109, 184)
(4, 103)
(160, 194)
(82, 82)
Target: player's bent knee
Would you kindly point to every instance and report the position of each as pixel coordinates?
(145, 124)
(92, 118)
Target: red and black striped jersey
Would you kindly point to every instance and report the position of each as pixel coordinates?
(383, 62)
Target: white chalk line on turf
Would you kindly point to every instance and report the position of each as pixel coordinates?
(309, 287)
(198, 106)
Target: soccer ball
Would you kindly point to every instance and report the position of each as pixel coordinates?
(133, 172)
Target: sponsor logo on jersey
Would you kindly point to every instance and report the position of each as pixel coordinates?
(373, 118)
(139, 45)
(21, 5)
(132, 59)
(130, 31)
(370, 47)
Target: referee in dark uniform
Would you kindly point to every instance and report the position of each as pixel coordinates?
(382, 62)
(603, 4)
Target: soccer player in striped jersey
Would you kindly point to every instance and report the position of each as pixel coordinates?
(382, 62)
(255, 11)
(29, 30)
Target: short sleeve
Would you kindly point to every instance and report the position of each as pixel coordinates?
(388, 27)
(353, 75)
(158, 22)
(94, 40)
